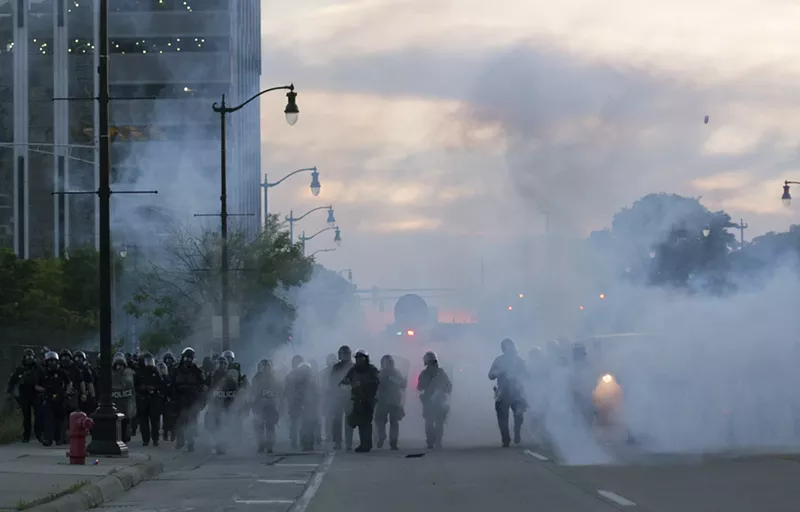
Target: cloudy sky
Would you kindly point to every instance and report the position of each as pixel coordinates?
(443, 129)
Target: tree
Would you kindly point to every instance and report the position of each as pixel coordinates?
(176, 298)
(663, 241)
(37, 303)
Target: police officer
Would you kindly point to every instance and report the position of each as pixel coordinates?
(22, 386)
(434, 388)
(169, 360)
(72, 399)
(330, 360)
(168, 418)
(391, 398)
(265, 396)
(306, 404)
(224, 386)
(123, 393)
(149, 399)
(87, 401)
(188, 384)
(511, 374)
(363, 381)
(54, 385)
(338, 400)
(293, 398)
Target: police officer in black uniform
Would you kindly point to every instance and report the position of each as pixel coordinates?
(224, 385)
(78, 388)
(22, 386)
(363, 381)
(189, 384)
(338, 402)
(511, 374)
(54, 385)
(87, 401)
(391, 394)
(434, 388)
(265, 396)
(149, 400)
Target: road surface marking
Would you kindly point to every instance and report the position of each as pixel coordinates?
(264, 502)
(616, 498)
(297, 465)
(304, 500)
(537, 455)
(296, 482)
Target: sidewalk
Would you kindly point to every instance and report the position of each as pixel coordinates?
(32, 475)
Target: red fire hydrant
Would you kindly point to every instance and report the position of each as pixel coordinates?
(79, 427)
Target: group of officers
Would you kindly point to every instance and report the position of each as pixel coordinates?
(167, 396)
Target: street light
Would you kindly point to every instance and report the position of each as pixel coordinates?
(266, 185)
(337, 237)
(291, 112)
(322, 250)
(786, 198)
(291, 219)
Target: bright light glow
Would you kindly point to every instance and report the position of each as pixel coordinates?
(410, 333)
(607, 378)
(510, 308)
(581, 308)
(602, 295)
(399, 333)
(521, 295)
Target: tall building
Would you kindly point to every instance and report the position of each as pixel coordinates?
(170, 60)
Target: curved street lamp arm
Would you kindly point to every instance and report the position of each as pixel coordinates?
(222, 108)
(304, 238)
(304, 169)
(321, 250)
(787, 182)
(318, 208)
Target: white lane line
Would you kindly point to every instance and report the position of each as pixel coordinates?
(537, 455)
(297, 465)
(296, 482)
(616, 498)
(264, 502)
(304, 500)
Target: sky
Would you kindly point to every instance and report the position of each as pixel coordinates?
(444, 130)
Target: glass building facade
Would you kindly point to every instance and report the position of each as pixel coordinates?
(170, 60)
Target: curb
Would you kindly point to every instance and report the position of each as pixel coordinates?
(104, 490)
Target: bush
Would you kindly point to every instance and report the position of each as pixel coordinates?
(10, 424)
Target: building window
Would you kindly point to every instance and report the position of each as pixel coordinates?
(175, 44)
(168, 5)
(169, 91)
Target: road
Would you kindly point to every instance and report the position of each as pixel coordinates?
(466, 480)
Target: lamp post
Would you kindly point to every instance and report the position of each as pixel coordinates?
(292, 113)
(291, 219)
(337, 238)
(349, 274)
(315, 186)
(322, 250)
(786, 198)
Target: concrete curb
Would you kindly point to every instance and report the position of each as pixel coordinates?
(104, 490)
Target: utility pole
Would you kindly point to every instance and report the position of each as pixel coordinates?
(742, 226)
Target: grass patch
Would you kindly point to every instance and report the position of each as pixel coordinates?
(24, 505)
(10, 425)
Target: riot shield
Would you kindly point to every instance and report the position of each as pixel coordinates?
(403, 366)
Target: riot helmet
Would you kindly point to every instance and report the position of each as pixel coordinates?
(208, 364)
(119, 362)
(28, 357)
(79, 357)
(148, 359)
(229, 355)
(387, 362)
(304, 370)
(187, 355)
(264, 365)
(65, 356)
(362, 357)
(162, 369)
(51, 360)
(330, 360)
(222, 363)
(345, 354)
(297, 361)
(508, 347)
(430, 358)
(168, 358)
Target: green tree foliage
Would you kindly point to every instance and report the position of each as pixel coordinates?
(45, 300)
(178, 297)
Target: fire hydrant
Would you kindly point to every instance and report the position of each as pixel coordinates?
(79, 427)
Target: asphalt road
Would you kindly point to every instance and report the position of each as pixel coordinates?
(466, 480)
